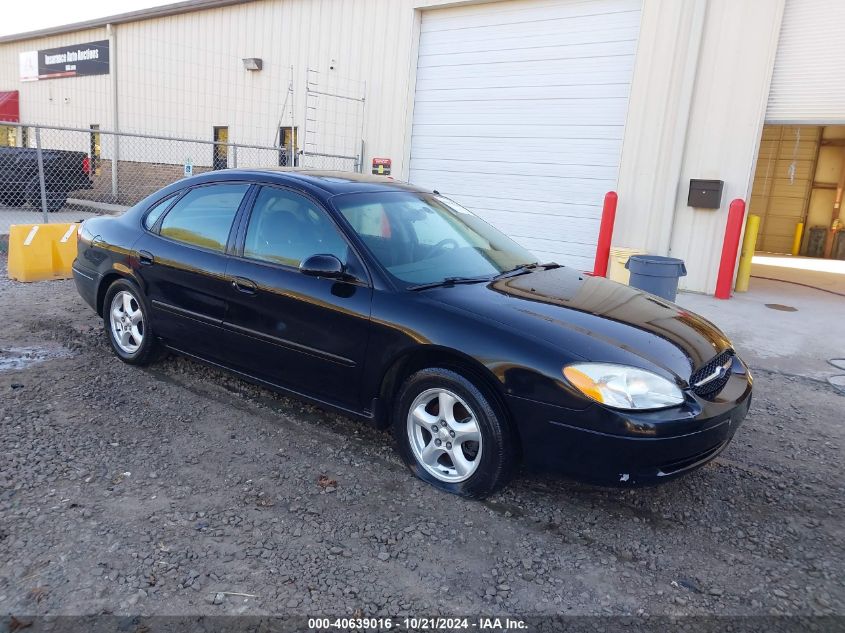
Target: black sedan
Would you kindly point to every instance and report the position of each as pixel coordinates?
(398, 306)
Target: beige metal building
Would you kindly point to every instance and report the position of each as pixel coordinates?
(526, 111)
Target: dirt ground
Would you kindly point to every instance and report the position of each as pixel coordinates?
(180, 490)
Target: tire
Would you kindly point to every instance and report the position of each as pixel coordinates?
(55, 201)
(125, 311)
(459, 466)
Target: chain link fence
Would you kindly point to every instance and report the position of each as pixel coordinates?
(61, 174)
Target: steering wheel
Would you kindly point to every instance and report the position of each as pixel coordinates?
(442, 246)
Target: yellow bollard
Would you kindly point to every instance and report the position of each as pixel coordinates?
(41, 251)
(796, 240)
(743, 273)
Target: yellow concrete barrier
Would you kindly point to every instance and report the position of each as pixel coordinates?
(41, 251)
(749, 241)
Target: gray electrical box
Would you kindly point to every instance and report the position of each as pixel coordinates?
(705, 194)
(815, 241)
(838, 245)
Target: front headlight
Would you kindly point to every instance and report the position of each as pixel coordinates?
(623, 387)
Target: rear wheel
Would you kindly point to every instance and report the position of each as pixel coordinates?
(451, 435)
(127, 325)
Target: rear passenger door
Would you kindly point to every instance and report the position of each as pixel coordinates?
(182, 262)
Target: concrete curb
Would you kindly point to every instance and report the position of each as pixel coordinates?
(97, 206)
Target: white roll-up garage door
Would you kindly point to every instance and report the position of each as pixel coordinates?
(808, 83)
(519, 114)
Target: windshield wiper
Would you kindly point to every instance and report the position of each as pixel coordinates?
(525, 268)
(516, 270)
(449, 281)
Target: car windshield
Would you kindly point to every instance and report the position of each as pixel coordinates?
(422, 238)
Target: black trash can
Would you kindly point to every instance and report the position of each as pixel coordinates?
(657, 275)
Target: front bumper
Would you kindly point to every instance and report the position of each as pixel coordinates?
(608, 447)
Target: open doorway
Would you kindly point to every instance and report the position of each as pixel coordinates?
(220, 157)
(800, 180)
(798, 190)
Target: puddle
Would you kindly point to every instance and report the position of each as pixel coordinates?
(14, 358)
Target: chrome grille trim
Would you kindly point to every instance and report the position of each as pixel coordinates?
(709, 379)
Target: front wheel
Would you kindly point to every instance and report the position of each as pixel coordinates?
(453, 436)
(125, 318)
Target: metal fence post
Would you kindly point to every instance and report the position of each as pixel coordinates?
(41, 182)
(112, 35)
(234, 156)
(114, 166)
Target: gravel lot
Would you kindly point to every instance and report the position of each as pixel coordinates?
(180, 490)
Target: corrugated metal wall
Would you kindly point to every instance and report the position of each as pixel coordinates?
(77, 101)
(697, 106)
(181, 75)
(725, 123)
(708, 62)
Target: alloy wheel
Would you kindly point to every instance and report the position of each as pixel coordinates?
(127, 322)
(444, 435)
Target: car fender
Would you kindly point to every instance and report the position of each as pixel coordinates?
(510, 362)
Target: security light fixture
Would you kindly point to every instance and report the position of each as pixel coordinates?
(252, 63)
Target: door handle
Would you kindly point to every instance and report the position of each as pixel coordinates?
(244, 285)
(145, 258)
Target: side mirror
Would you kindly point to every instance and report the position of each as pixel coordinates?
(327, 266)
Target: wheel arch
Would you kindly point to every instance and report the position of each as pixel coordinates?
(105, 283)
(428, 356)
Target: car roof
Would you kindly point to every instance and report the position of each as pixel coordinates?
(328, 182)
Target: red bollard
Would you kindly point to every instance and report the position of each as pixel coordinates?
(608, 217)
(730, 249)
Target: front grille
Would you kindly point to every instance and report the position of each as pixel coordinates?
(711, 388)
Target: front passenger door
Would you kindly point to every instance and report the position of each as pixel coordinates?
(305, 333)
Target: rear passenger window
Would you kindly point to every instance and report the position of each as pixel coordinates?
(203, 217)
(155, 212)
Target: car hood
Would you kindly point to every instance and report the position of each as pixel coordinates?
(592, 318)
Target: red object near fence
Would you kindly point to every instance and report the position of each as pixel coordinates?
(608, 217)
(730, 249)
(10, 106)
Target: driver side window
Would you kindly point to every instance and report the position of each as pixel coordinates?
(286, 228)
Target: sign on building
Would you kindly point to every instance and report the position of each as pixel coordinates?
(77, 60)
(381, 166)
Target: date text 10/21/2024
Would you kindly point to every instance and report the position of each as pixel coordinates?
(418, 624)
